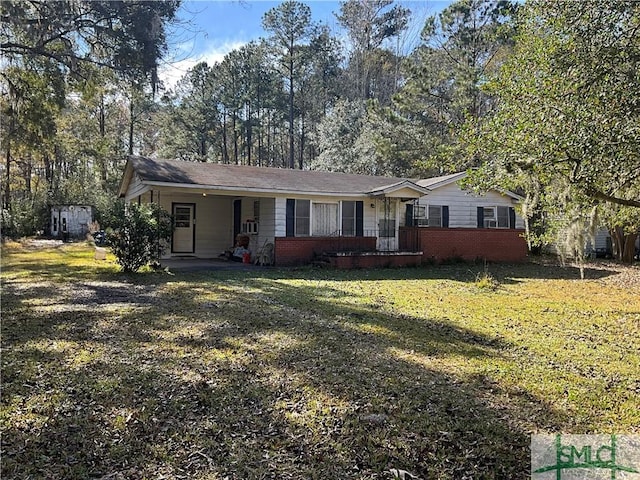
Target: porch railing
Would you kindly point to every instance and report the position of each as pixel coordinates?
(337, 242)
(409, 239)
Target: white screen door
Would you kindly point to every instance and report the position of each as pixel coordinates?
(184, 228)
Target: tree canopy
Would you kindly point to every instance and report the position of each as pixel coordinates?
(567, 124)
(128, 37)
(539, 97)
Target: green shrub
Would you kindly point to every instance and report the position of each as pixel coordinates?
(139, 235)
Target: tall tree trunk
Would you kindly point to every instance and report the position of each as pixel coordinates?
(234, 117)
(291, 142)
(269, 156)
(249, 135)
(202, 148)
(26, 173)
(6, 200)
(259, 125)
(225, 150)
(260, 140)
(102, 122)
(623, 244)
(291, 155)
(131, 121)
(302, 134)
(629, 248)
(102, 117)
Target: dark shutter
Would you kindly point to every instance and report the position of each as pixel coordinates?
(512, 217)
(237, 218)
(360, 219)
(408, 217)
(445, 216)
(291, 217)
(480, 217)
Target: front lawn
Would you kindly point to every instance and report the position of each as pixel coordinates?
(304, 373)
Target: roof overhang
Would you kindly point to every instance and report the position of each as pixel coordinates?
(438, 182)
(405, 190)
(235, 190)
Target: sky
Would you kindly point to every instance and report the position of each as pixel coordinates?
(209, 29)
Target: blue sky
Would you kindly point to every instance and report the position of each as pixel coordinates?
(210, 29)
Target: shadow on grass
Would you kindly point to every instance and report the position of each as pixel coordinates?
(249, 378)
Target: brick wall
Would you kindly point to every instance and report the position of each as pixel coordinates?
(496, 245)
(302, 250)
(383, 259)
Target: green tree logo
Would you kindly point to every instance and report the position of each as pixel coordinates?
(604, 453)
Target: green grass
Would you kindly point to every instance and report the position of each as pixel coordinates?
(307, 373)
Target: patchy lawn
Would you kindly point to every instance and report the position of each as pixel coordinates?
(307, 373)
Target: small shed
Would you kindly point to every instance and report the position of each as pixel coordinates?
(71, 221)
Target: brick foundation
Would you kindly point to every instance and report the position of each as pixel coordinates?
(302, 250)
(376, 260)
(436, 245)
(439, 244)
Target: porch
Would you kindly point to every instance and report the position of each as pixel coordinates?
(367, 251)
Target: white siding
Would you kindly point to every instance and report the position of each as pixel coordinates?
(603, 241)
(136, 188)
(267, 227)
(370, 221)
(280, 217)
(463, 204)
(213, 222)
(77, 219)
(265, 220)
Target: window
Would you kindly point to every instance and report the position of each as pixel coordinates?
(325, 219)
(182, 217)
(431, 215)
(420, 215)
(503, 217)
(302, 218)
(435, 216)
(349, 219)
(489, 217)
(496, 217)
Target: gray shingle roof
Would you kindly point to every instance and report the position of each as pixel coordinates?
(258, 178)
(444, 179)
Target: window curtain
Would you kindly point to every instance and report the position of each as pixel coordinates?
(325, 219)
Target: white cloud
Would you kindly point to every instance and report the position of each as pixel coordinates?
(172, 71)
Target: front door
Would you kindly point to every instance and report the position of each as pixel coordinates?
(184, 232)
(387, 225)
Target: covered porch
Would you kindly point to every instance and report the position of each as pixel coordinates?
(305, 215)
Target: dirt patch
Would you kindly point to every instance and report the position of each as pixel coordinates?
(37, 243)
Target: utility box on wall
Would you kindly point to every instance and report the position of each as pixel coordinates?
(70, 221)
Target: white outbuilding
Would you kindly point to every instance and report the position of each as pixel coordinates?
(71, 221)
